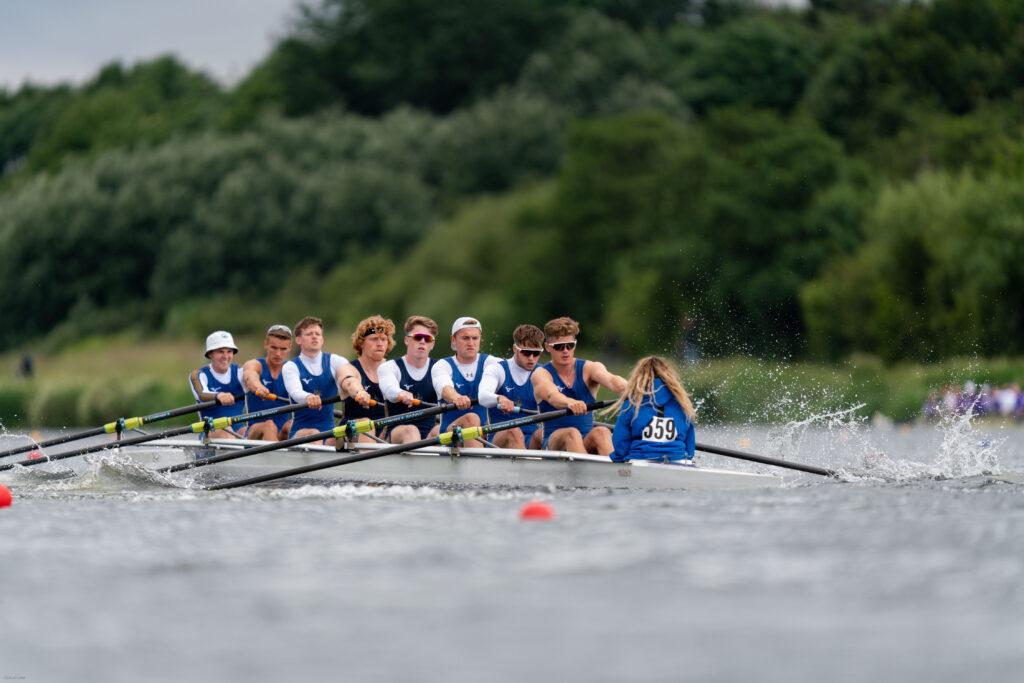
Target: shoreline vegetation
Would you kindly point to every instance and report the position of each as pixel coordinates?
(102, 378)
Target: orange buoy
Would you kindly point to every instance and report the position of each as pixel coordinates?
(538, 510)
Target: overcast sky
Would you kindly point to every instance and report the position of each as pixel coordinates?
(48, 41)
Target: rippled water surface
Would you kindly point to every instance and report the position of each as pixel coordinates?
(911, 568)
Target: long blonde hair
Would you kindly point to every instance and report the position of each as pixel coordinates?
(640, 386)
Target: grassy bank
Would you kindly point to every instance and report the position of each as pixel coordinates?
(100, 379)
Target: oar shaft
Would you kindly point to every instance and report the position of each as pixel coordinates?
(195, 428)
(111, 427)
(753, 457)
(443, 439)
(340, 431)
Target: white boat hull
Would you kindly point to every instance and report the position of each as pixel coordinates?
(437, 465)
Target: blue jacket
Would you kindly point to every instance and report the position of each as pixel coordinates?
(659, 431)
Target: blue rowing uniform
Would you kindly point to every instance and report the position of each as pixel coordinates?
(466, 388)
(423, 389)
(324, 386)
(354, 411)
(215, 386)
(274, 385)
(579, 391)
(520, 394)
(659, 430)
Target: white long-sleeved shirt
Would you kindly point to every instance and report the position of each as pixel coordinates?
(441, 375)
(494, 378)
(389, 376)
(290, 372)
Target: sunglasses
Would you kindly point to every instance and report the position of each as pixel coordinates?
(425, 338)
(563, 346)
(530, 353)
(279, 328)
(375, 330)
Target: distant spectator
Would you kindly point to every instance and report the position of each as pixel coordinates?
(27, 366)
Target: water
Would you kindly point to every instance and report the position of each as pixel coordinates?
(909, 569)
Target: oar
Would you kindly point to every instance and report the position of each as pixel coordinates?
(208, 424)
(753, 457)
(119, 425)
(340, 432)
(444, 439)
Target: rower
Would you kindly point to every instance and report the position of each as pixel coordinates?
(221, 380)
(262, 377)
(358, 382)
(569, 382)
(407, 379)
(655, 415)
(457, 379)
(312, 376)
(506, 386)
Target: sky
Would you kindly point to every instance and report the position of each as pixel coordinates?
(52, 41)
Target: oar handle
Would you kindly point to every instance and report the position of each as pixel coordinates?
(764, 459)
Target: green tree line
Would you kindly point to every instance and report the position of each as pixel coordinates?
(792, 182)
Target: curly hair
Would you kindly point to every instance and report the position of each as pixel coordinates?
(375, 324)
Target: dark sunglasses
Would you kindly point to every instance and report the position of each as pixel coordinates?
(426, 338)
(375, 330)
(530, 353)
(563, 346)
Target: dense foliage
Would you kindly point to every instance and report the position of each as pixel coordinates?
(784, 182)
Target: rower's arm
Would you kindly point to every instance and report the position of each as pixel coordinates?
(346, 387)
(251, 372)
(596, 373)
(544, 389)
(489, 384)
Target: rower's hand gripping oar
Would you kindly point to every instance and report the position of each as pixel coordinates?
(445, 439)
(118, 426)
(764, 459)
(201, 427)
(340, 432)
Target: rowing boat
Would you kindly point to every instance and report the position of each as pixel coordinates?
(445, 466)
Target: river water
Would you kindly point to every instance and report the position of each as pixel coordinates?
(910, 568)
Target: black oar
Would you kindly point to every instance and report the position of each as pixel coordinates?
(116, 427)
(444, 439)
(340, 432)
(207, 425)
(753, 457)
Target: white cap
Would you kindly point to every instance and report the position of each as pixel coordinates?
(465, 322)
(220, 340)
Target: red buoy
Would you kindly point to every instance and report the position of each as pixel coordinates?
(537, 509)
(5, 496)
(32, 455)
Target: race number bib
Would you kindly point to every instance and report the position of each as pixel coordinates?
(660, 429)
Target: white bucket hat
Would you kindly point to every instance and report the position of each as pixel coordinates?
(220, 340)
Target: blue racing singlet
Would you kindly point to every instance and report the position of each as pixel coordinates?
(325, 386)
(354, 411)
(579, 391)
(274, 385)
(466, 388)
(520, 394)
(423, 389)
(215, 386)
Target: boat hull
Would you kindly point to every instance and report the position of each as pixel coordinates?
(438, 465)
